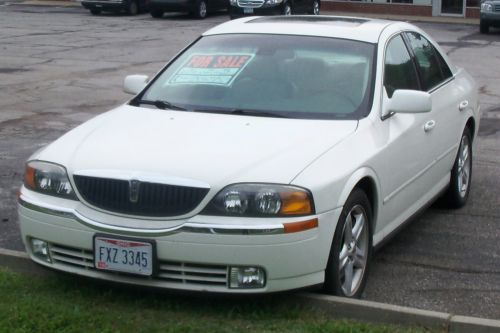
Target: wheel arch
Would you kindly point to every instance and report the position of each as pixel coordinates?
(471, 125)
(366, 180)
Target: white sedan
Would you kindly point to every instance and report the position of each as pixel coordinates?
(273, 153)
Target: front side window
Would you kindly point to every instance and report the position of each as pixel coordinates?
(399, 70)
(427, 61)
(281, 75)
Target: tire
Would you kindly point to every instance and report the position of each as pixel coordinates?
(484, 28)
(287, 9)
(156, 13)
(315, 8)
(201, 9)
(461, 173)
(350, 258)
(95, 11)
(132, 8)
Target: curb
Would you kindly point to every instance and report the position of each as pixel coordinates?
(332, 306)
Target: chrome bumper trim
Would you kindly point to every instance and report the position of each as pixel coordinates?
(189, 227)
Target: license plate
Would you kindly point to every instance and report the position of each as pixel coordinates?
(247, 10)
(123, 255)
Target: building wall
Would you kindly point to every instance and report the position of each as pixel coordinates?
(417, 8)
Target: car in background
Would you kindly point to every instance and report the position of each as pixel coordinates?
(239, 8)
(273, 153)
(489, 15)
(130, 7)
(197, 8)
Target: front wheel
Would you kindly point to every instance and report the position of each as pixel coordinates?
(461, 174)
(347, 268)
(95, 11)
(484, 28)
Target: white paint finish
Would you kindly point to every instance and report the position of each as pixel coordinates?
(407, 161)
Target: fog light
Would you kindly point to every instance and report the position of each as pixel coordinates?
(247, 277)
(40, 249)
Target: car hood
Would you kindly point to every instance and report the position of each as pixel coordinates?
(189, 148)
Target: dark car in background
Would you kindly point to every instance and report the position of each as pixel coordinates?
(240, 8)
(490, 15)
(131, 7)
(197, 8)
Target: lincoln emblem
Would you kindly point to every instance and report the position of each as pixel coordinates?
(134, 190)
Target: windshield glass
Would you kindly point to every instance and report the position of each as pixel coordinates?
(275, 75)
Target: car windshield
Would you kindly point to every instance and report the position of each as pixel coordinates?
(269, 75)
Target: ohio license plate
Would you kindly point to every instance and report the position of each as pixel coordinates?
(123, 255)
(247, 10)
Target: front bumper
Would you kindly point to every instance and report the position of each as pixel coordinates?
(490, 18)
(105, 5)
(173, 5)
(235, 11)
(186, 252)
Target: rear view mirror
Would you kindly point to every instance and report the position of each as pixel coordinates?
(409, 101)
(133, 84)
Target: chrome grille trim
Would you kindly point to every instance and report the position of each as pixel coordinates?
(250, 3)
(168, 271)
(149, 199)
(496, 8)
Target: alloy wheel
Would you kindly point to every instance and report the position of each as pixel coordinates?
(464, 167)
(353, 254)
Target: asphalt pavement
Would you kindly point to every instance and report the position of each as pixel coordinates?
(60, 66)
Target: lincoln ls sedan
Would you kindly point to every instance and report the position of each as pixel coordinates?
(273, 153)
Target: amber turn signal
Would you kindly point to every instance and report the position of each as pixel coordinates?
(29, 177)
(295, 203)
(300, 226)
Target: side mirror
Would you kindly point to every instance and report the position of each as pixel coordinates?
(133, 84)
(409, 101)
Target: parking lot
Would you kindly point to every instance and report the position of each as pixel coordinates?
(60, 66)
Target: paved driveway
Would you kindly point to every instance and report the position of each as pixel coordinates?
(61, 66)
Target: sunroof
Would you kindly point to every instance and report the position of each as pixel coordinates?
(309, 19)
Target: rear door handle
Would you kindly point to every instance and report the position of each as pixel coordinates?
(429, 125)
(463, 105)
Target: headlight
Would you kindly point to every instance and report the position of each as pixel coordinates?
(273, 2)
(233, 2)
(486, 7)
(253, 200)
(48, 178)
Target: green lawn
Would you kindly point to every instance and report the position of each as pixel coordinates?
(63, 303)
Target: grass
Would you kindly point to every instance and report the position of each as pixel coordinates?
(63, 303)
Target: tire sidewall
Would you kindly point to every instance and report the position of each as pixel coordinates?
(454, 197)
(332, 283)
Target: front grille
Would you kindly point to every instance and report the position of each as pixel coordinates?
(250, 3)
(169, 271)
(497, 8)
(155, 200)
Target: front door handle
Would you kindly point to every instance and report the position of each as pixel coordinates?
(463, 105)
(429, 125)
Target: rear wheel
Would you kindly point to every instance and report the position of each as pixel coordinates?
(95, 11)
(156, 13)
(461, 174)
(133, 8)
(315, 7)
(347, 268)
(201, 9)
(484, 28)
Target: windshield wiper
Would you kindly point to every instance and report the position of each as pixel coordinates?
(244, 112)
(162, 104)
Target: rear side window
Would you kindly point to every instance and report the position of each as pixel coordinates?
(428, 61)
(399, 72)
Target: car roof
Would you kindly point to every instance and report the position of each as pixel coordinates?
(355, 28)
